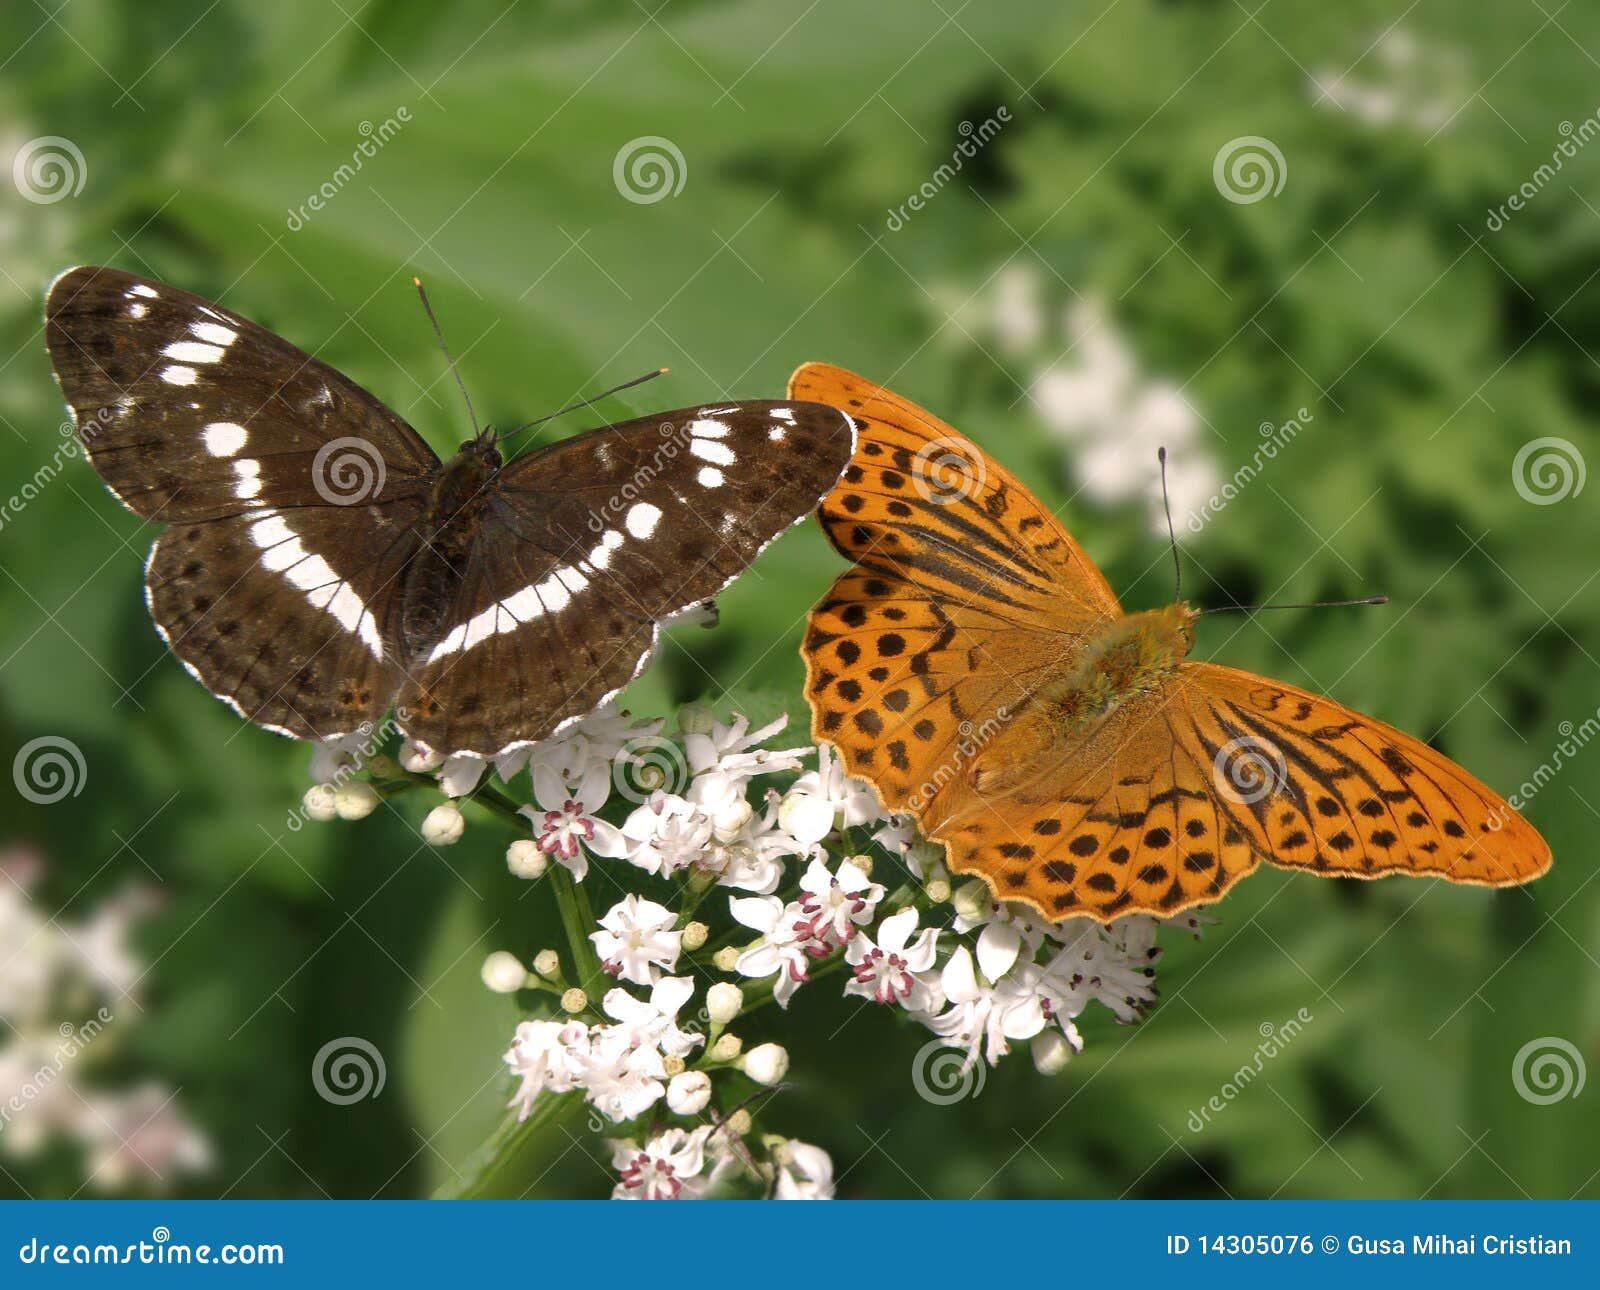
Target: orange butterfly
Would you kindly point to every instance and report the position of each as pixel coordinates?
(976, 669)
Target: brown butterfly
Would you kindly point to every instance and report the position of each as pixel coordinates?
(976, 669)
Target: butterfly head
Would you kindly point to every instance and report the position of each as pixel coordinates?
(485, 446)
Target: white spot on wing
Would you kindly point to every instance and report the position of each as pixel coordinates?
(248, 470)
(777, 434)
(137, 311)
(642, 518)
(213, 333)
(192, 351)
(783, 414)
(718, 454)
(177, 375)
(706, 429)
(139, 289)
(600, 557)
(709, 477)
(224, 438)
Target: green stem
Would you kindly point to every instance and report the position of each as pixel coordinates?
(577, 919)
(485, 1165)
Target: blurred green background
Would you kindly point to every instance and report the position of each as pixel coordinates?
(1093, 282)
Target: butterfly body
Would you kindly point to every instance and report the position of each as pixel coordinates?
(320, 566)
(977, 670)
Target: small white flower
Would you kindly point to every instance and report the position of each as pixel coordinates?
(689, 1092)
(331, 758)
(461, 775)
(724, 1001)
(503, 972)
(833, 905)
(987, 1017)
(1010, 931)
(637, 940)
(565, 827)
(622, 1078)
(824, 798)
(419, 760)
(444, 825)
(666, 1168)
(891, 970)
(355, 800)
(766, 1063)
(654, 1022)
(1052, 1050)
(782, 947)
(546, 1055)
(320, 803)
(666, 835)
(805, 1172)
(525, 860)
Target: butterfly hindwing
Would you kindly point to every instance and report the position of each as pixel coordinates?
(190, 412)
(1319, 787)
(291, 638)
(592, 542)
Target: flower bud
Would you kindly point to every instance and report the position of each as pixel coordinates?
(726, 959)
(938, 891)
(695, 935)
(696, 719)
(418, 760)
(730, 822)
(382, 767)
(355, 800)
(861, 862)
(689, 1093)
(574, 1000)
(726, 1048)
(1051, 1052)
(973, 901)
(739, 1123)
(766, 1063)
(547, 963)
(503, 972)
(319, 803)
(723, 1002)
(525, 860)
(924, 857)
(673, 1065)
(444, 825)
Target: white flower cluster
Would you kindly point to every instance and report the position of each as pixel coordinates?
(65, 999)
(802, 900)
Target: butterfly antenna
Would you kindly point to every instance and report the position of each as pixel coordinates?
(1315, 604)
(615, 389)
(1166, 505)
(448, 357)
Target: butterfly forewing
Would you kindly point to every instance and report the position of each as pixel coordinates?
(591, 542)
(190, 412)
